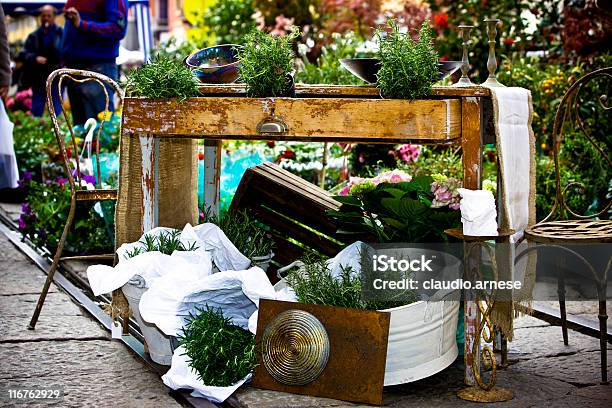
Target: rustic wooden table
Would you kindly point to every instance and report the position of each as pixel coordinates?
(318, 113)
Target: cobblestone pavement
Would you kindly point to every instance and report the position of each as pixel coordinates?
(68, 349)
(71, 350)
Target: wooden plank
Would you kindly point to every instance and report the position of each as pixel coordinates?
(149, 152)
(302, 90)
(331, 119)
(212, 175)
(471, 143)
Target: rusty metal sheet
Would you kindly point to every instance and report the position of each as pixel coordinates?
(355, 365)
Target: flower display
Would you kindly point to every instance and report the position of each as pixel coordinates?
(358, 184)
(408, 153)
(445, 192)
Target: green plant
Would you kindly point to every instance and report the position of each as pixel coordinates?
(327, 68)
(33, 138)
(396, 210)
(267, 62)
(315, 284)
(45, 212)
(244, 232)
(219, 351)
(163, 77)
(166, 242)
(408, 68)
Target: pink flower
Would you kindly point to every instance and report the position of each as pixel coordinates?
(395, 176)
(283, 25)
(409, 153)
(354, 180)
(445, 193)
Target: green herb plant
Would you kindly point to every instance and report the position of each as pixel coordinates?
(166, 242)
(163, 77)
(408, 68)
(220, 352)
(315, 284)
(244, 232)
(266, 63)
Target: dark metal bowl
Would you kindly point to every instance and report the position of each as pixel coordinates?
(367, 68)
(215, 65)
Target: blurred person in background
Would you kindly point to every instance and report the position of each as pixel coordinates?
(42, 56)
(9, 173)
(92, 33)
(5, 61)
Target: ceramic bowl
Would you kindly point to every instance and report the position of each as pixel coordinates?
(215, 65)
(367, 68)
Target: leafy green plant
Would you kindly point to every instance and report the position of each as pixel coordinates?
(408, 68)
(244, 232)
(220, 352)
(266, 63)
(45, 213)
(163, 77)
(166, 242)
(33, 138)
(327, 68)
(315, 284)
(400, 211)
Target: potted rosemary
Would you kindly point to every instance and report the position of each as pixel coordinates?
(160, 346)
(266, 64)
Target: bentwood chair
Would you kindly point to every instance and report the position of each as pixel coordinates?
(564, 226)
(78, 191)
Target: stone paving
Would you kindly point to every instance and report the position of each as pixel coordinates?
(70, 349)
(67, 349)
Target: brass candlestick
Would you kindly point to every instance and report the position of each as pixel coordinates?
(465, 32)
(491, 61)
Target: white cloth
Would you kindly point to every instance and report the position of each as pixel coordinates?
(9, 173)
(515, 146)
(212, 244)
(478, 212)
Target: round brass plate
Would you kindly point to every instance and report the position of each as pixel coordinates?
(295, 347)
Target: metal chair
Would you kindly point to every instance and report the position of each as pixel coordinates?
(78, 193)
(563, 225)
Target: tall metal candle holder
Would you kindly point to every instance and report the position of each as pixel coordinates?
(491, 24)
(465, 32)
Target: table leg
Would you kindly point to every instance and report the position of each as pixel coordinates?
(212, 175)
(149, 148)
(471, 143)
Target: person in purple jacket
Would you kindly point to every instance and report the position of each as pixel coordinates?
(92, 33)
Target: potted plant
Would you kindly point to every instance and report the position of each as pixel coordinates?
(159, 345)
(162, 77)
(408, 67)
(220, 352)
(248, 237)
(266, 63)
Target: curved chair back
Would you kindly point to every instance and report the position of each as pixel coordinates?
(572, 112)
(57, 80)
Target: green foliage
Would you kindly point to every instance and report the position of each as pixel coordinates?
(327, 68)
(219, 351)
(166, 242)
(408, 68)
(396, 212)
(315, 284)
(172, 49)
(163, 77)
(267, 62)
(580, 162)
(45, 214)
(435, 159)
(31, 139)
(244, 232)
(231, 20)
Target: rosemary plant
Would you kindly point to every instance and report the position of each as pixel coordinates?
(408, 68)
(315, 284)
(163, 77)
(266, 63)
(220, 352)
(245, 233)
(165, 242)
